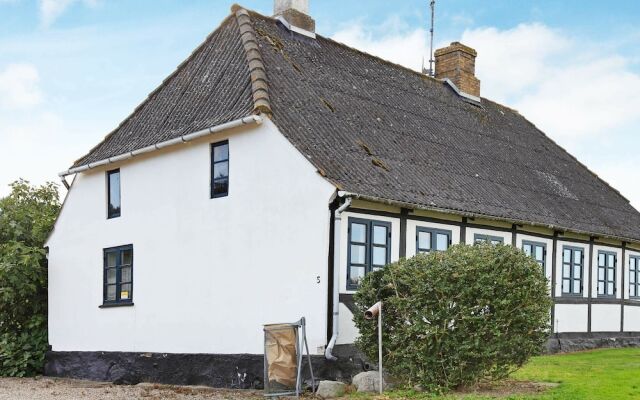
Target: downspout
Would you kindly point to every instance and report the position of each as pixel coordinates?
(336, 279)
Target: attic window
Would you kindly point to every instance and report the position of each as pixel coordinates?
(113, 194)
(220, 169)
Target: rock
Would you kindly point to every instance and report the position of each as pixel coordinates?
(367, 382)
(331, 389)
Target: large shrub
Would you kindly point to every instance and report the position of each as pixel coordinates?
(26, 217)
(455, 318)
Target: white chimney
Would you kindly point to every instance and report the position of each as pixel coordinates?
(296, 15)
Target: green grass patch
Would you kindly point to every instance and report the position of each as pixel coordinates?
(609, 374)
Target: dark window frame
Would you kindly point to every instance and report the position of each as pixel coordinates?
(368, 244)
(111, 214)
(486, 238)
(118, 285)
(606, 268)
(571, 276)
(636, 272)
(533, 245)
(434, 232)
(215, 162)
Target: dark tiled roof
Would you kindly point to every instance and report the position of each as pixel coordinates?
(382, 131)
(210, 88)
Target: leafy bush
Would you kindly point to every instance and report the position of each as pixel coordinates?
(455, 318)
(26, 217)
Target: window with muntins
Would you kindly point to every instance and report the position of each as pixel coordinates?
(113, 194)
(634, 277)
(481, 238)
(428, 239)
(607, 263)
(118, 275)
(220, 169)
(537, 251)
(572, 271)
(369, 249)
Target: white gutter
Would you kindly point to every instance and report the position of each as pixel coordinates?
(253, 119)
(336, 278)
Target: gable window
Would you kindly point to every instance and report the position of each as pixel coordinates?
(369, 249)
(607, 263)
(118, 275)
(572, 271)
(481, 238)
(428, 239)
(537, 251)
(220, 169)
(634, 277)
(113, 194)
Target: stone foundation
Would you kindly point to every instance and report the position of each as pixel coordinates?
(570, 342)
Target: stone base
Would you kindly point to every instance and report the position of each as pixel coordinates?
(570, 342)
(238, 371)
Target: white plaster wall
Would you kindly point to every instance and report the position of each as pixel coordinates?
(571, 318)
(520, 238)
(605, 317)
(412, 226)
(587, 275)
(631, 319)
(344, 238)
(207, 273)
(348, 331)
(471, 233)
(594, 271)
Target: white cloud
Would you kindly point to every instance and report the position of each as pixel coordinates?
(19, 87)
(389, 41)
(51, 10)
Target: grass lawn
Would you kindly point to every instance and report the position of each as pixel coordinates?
(609, 374)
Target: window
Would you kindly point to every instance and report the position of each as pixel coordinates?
(607, 263)
(537, 251)
(480, 238)
(572, 268)
(428, 239)
(118, 275)
(113, 194)
(369, 249)
(634, 277)
(220, 169)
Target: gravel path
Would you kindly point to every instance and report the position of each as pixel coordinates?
(65, 389)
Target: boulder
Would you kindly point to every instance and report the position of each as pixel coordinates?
(367, 382)
(331, 389)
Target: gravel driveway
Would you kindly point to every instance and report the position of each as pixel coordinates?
(65, 389)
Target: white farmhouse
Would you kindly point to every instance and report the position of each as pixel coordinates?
(273, 170)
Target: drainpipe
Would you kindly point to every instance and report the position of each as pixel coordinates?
(336, 279)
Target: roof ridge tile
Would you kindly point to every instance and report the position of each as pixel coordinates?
(257, 70)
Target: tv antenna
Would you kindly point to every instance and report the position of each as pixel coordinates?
(431, 71)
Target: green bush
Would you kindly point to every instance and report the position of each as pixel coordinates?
(26, 217)
(458, 317)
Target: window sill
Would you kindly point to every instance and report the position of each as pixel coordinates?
(115, 305)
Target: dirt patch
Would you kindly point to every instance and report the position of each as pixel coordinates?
(508, 388)
(63, 389)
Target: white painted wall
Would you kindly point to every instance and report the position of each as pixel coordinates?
(605, 317)
(631, 319)
(413, 225)
(207, 273)
(347, 329)
(571, 318)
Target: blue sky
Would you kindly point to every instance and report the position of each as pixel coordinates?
(71, 70)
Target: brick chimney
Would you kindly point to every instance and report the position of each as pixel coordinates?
(457, 62)
(296, 13)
